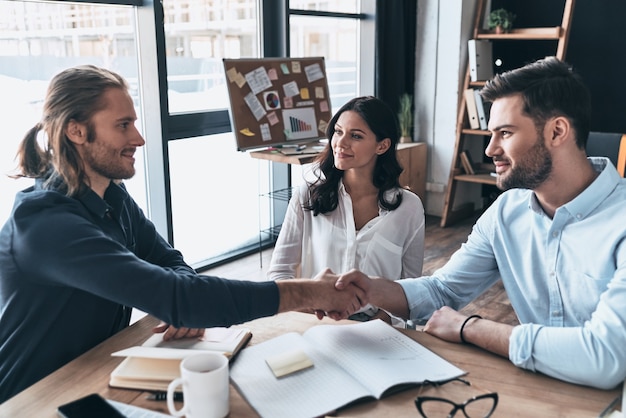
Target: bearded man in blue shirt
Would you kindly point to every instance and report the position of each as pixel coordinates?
(556, 237)
(77, 253)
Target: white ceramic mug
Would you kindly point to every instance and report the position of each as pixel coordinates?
(204, 378)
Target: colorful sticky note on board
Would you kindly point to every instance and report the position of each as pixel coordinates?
(231, 73)
(295, 67)
(324, 106)
(304, 93)
(319, 92)
(272, 74)
(246, 132)
(272, 118)
(284, 68)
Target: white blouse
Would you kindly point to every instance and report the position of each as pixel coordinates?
(390, 245)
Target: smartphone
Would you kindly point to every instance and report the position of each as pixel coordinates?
(90, 406)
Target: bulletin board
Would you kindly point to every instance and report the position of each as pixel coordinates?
(277, 101)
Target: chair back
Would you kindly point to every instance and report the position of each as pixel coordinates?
(610, 145)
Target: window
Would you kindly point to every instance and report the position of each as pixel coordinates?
(39, 40)
(214, 188)
(343, 33)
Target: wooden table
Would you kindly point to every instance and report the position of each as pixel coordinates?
(522, 393)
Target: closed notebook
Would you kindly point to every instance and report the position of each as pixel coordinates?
(154, 364)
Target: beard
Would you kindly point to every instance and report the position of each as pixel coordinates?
(108, 162)
(530, 171)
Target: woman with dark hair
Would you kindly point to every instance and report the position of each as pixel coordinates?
(354, 214)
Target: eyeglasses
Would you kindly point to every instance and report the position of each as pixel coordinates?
(481, 406)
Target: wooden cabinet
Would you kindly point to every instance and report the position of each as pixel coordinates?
(412, 157)
(464, 133)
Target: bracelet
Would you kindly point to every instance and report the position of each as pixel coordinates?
(465, 323)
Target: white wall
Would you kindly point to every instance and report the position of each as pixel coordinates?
(443, 28)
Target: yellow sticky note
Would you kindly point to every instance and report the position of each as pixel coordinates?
(304, 93)
(247, 132)
(284, 364)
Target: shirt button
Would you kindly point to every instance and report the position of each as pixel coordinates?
(555, 234)
(579, 216)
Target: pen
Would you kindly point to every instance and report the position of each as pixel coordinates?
(161, 396)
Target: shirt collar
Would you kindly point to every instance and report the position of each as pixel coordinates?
(589, 199)
(114, 196)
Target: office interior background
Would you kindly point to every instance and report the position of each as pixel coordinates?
(203, 194)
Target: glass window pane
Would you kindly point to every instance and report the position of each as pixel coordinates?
(342, 6)
(198, 34)
(41, 39)
(335, 39)
(216, 206)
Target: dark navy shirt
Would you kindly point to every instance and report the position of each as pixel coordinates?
(71, 268)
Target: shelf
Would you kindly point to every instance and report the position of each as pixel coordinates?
(479, 83)
(476, 178)
(272, 232)
(526, 34)
(283, 195)
(475, 132)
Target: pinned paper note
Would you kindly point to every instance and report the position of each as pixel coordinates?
(291, 89)
(313, 72)
(284, 364)
(258, 80)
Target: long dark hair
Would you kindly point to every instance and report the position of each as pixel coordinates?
(75, 93)
(382, 121)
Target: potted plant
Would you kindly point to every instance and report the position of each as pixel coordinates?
(405, 118)
(501, 20)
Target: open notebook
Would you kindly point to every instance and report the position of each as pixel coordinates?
(333, 365)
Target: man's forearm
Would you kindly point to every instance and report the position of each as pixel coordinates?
(320, 294)
(490, 335)
(389, 295)
(295, 294)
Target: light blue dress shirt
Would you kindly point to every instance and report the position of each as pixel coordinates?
(565, 278)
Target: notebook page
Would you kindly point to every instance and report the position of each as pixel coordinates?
(379, 356)
(310, 392)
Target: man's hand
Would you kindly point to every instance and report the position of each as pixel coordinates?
(380, 292)
(356, 278)
(172, 333)
(320, 295)
(445, 323)
(340, 303)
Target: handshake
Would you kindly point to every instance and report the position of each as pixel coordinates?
(335, 295)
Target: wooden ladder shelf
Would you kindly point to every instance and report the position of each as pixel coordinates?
(458, 177)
